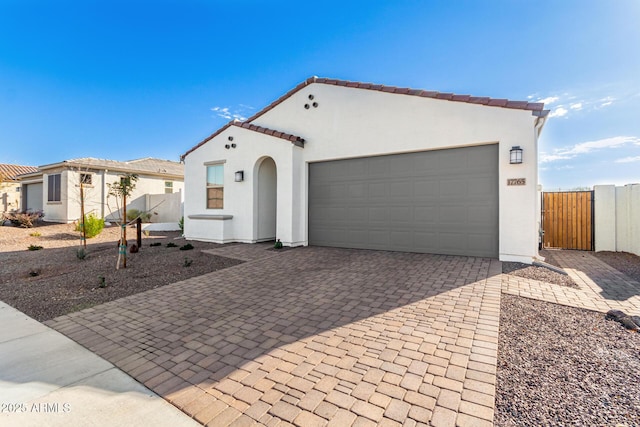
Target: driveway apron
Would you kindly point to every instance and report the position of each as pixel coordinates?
(312, 336)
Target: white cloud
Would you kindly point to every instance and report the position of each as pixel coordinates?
(629, 159)
(576, 106)
(606, 101)
(546, 158)
(587, 147)
(559, 112)
(549, 99)
(236, 114)
(614, 142)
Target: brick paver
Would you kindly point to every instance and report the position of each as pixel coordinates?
(602, 287)
(312, 336)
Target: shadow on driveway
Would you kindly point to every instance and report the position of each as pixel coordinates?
(308, 332)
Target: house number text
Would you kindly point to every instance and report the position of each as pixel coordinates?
(516, 181)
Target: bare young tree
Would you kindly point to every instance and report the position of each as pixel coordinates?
(120, 190)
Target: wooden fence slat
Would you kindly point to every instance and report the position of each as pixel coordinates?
(567, 220)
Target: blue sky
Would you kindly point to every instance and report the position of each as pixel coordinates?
(128, 79)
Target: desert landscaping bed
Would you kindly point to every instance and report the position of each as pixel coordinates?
(560, 365)
(53, 281)
(556, 365)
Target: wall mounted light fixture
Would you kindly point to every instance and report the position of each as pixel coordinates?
(515, 155)
(227, 146)
(233, 145)
(239, 176)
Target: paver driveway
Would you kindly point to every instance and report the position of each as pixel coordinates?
(313, 336)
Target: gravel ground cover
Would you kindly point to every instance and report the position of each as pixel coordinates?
(541, 274)
(562, 366)
(53, 281)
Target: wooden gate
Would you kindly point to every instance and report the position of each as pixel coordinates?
(567, 220)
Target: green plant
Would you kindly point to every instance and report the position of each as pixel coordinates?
(278, 244)
(132, 214)
(34, 273)
(171, 245)
(186, 247)
(81, 253)
(181, 224)
(156, 244)
(35, 234)
(35, 247)
(102, 282)
(187, 262)
(92, 225)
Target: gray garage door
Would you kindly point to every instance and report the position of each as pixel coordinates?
(441, 201)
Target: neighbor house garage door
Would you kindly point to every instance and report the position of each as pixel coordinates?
(441, 201)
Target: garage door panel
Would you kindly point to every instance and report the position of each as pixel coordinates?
(443, 201)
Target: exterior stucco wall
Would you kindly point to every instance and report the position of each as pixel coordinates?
(96, 194)
(355, 123)
(10, 199)
(55, 211)
(617, 218)
(240, 199)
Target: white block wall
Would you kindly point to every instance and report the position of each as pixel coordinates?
(617, 218)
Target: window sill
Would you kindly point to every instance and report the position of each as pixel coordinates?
(211, 217)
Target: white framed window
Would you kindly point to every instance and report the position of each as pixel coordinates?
(168, 187)
(215, 186)
(53, 188)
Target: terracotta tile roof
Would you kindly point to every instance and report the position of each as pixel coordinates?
(10, 172)
(147, 165)
(294, 139)
(536, 108)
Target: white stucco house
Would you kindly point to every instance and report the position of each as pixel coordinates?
(55, 188)
(358, 165)
(10, 195)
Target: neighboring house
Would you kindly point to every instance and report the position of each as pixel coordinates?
(10, 186)
(55, 188)
(358, 165)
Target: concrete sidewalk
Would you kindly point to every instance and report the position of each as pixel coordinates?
(46, 379)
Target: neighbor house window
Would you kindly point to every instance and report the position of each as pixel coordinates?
(85, 178)
(215, 186)
(53, 188)
(168, 187)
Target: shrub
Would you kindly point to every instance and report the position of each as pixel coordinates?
(171, 245)
(156, 244)
(187, 262)
(23, 219)
(186, 247)
(278, 244)
(81, 253)
(34, 247)
(135, 213)
(35, 234)
(181, 224)
(92, 225)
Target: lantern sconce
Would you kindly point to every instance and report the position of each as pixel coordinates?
(515, 155)
(239, 176)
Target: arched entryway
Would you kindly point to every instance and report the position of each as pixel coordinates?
(266, 199)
